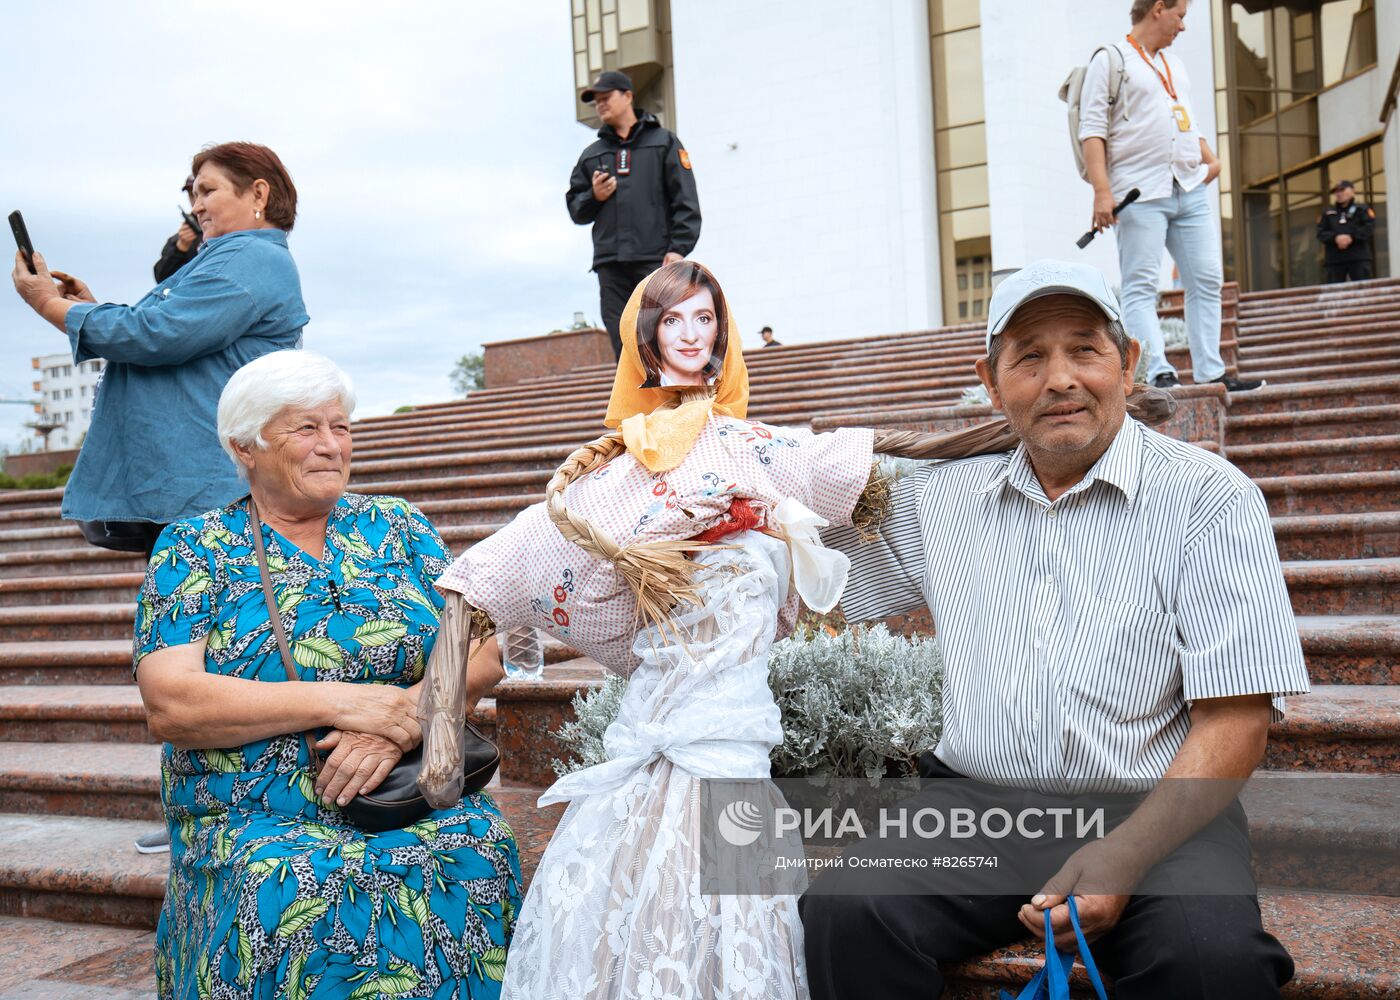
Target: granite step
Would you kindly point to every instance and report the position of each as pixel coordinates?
(1312, 425)
(1319, 372)
(1338, 536)
(1318, 395)
(1344, 586)
(72, 713)
(1339, 727)
(1351, 649)
(88, 588)
(1352, 454)
(1325, 831)
(86, 559)
(1308, 336)
(1343, 352)
(1328, 493)
(41, 623)
(109, 779)
(66, 661)
(57, 960)
(80, 868)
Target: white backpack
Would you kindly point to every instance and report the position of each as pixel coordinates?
(1073, 87)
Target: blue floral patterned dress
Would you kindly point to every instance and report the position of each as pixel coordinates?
(271, 893)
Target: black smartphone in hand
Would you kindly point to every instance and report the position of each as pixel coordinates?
(22, 241)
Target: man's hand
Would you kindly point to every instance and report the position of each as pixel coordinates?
(185, 237)
(604, 184)
(1212, 171)
(73, 289)
(1097, 875)
(1103, 210)
(358, 763)
(671, 258)
(1342, 241)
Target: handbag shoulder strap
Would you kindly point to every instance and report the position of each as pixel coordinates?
(274, 615)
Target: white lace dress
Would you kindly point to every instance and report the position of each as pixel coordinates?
(615, 909)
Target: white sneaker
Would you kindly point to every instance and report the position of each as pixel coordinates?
(155, 842)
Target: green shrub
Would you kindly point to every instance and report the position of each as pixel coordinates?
(36, 480)
(854, 703)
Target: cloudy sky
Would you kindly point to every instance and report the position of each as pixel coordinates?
(430, 143)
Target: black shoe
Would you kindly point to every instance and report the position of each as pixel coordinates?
(1166, 380)
(1239, 384)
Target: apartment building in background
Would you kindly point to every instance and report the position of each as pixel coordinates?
(66, 393)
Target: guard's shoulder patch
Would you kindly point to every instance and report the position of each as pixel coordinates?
(685, 158)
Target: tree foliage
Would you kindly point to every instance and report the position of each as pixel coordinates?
(469, 374)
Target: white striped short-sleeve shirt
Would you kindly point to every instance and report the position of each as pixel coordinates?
(1075, 633)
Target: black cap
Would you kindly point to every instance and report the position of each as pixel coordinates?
(611, 80)
(1342, 184)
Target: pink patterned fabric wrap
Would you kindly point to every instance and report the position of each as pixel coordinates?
(528, 574)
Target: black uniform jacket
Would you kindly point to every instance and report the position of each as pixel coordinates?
(1356, 221)
(655, 209)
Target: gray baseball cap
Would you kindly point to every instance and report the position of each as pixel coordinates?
(1048, 277)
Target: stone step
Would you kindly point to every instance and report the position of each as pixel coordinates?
(1316, 294)
(1351, 649)
(1339, 727)
(1336, 493)
(54, 562)
(1321, 314)
(112, 780)
(85, 588)
(1312, 425)
(1339, 536)
(1324, 394)
(1347, 352)
(1310, 334)
(66, 661)
(73, 713)
(56, 960)
(54, 535)
(79, 868)
(1325, 831)
(1344, 947)
(1313, 373)
(1356, 454)
(1344, 586)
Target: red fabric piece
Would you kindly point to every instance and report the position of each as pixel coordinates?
(741, 517)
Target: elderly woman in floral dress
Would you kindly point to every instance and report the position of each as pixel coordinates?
(272, 892)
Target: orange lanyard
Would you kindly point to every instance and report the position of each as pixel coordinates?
(1166, 80)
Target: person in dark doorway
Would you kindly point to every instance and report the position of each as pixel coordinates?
(180, 249)
(636, 187)
(1345, 231)
(767, 334)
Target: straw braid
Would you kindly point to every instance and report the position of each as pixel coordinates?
(658, 573)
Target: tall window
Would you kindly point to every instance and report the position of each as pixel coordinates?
(960, 156)
(1273, 64)
(630, 35)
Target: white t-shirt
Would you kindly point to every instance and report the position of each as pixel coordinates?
(1147, 148)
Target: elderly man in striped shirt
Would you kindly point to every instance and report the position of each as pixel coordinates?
(1111, 613)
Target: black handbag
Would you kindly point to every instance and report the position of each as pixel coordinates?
(397, 802)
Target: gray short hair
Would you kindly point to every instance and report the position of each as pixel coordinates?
(265, 386)
(1141, 8)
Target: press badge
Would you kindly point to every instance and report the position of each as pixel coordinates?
(1182, 116)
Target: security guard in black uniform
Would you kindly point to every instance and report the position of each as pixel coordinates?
(1345, 231)
(636, 186)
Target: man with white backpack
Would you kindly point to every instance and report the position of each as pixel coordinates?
(1137, 130)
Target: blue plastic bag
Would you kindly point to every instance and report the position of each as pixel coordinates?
(1052, 981)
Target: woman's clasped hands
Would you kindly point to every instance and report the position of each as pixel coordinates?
(374, 728)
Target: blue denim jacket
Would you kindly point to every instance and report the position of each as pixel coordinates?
(152, 453)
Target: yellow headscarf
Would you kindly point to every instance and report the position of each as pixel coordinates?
(657, 432)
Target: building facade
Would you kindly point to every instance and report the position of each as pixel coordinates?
(865, 167)
(66, 393)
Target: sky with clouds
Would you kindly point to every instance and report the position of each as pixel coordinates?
(430, 142)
